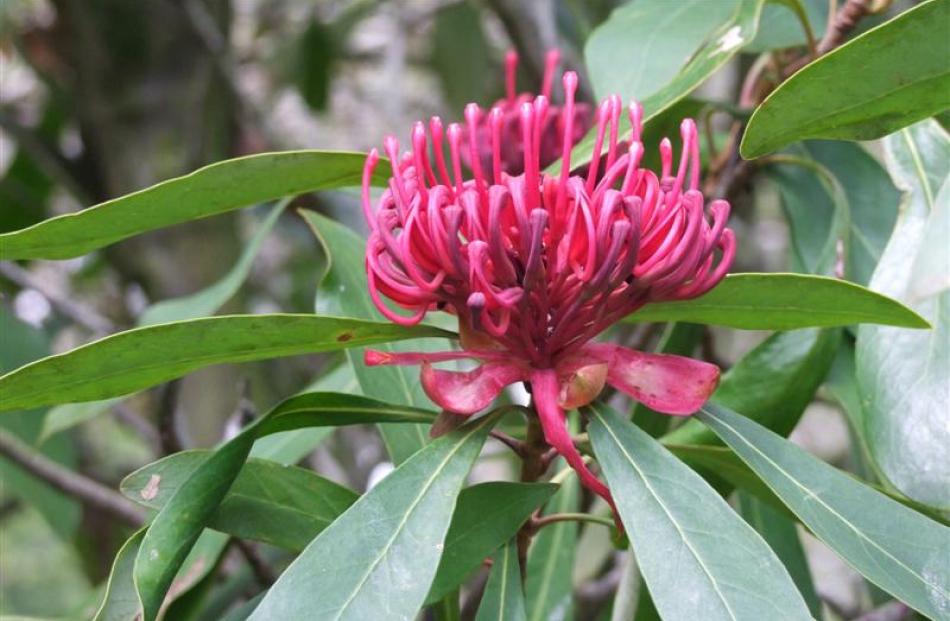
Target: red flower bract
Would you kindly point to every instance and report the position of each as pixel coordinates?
(536, 265)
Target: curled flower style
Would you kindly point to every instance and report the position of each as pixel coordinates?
(535, 265)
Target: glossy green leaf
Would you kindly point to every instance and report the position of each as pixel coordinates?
(129, 361)
(911, 562)
(725, 471)
(503, 599)
(726, 568)
(200, 304)
(781, 534)
(344, 291)
(382, 553)
(549, 583)
(281, 505)
(195, 503)
(784, 302)
(883, 80)
(902, 374)
(289, 447)
(486, 516)
(21, 343)
(772, 384)
(214, 189)
(669, 48)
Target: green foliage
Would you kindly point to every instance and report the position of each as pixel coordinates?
(503, 599)
(883, 80)
(711, 554)
(211, 190)
(784, 302)
(855, 521)
(143, 357)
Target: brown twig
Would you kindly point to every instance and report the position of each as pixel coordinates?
(514, 444)
(168, 420)
(72, 483)
(532, 467)
(843, 23)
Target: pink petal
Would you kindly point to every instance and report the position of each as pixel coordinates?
(666, 383)
(471, 391)
(544, 390)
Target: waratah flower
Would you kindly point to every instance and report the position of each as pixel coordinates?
(506, 122)
(535, 265)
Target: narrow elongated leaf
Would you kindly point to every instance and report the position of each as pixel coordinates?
(714, 34)
(203, 303)
(281, 505)
(351, 571)
(780, 25)
(781, 534)
(784, 302)
(902, 374)
(884, 79)
(486, 516)
(344, 291)
(195, 503)
(503, 599)
(211, 190)
(712, 555)
(772, 384)
(911, 562)
(143, 357)
(549, 582)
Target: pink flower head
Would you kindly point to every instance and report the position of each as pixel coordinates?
(502, 126)
(535, 265)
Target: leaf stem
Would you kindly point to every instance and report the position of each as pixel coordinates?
(541, 522)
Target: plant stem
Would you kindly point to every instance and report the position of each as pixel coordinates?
(65, 480)
(532, 467)
(541, 522)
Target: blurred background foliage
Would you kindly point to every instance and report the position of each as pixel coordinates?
(99, 98)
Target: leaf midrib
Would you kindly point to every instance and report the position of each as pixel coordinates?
(820, 500)
(402, 523)
(676, 525)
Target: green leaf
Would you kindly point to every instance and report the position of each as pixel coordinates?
(772, 384)
(382, 553)
(784, 302)
(129, 361)
(203, 303)
(910, 562)
(884, 79)
(180, 521)
(120, 602)
(902, 375)
(668, 50)
(281, 505)
(781, 534)
(549, 586)
(711, 555)
(486, 516)
(211, 190)
(503, 599)
(780, 25)
(21, 343)
(344, 291)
